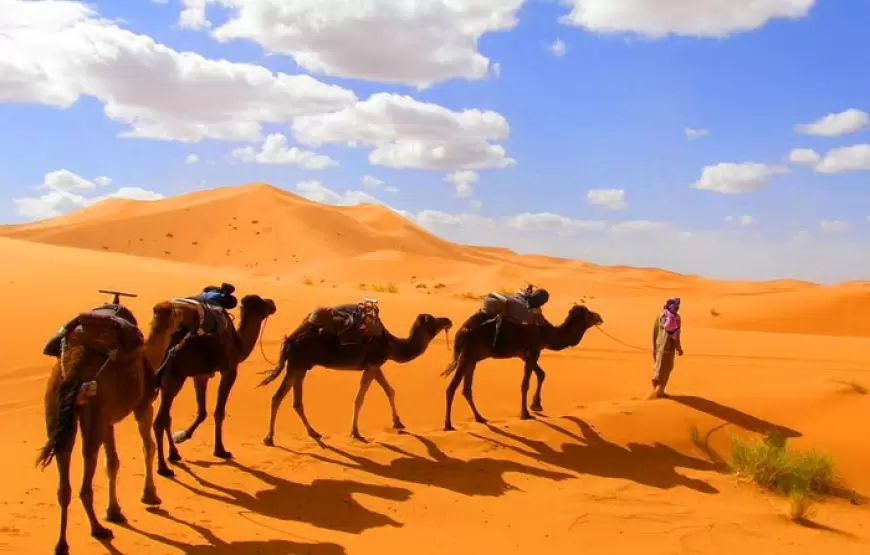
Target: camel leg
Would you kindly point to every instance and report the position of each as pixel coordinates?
(300, 408)
(524, 392)
(171, 385)
(64, 493)
(286, 384)
(113, 465)
(391, 397)
(364, 383)
(536, 400)
(92, 438)
(144, 420)
(469, 394)
(200, 385)
(458, 374)
(228, 378)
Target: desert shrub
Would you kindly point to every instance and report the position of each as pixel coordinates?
(469, 296)
(307, 281)
(440, 286)
(389, 287)
(421, 286)
(714, 312)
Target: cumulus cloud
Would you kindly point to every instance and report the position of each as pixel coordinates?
(833, 226)
(408, 134)
(845, 159)
(557, 48)
(740, 220)
(733, 179)
(65, 192)
(274, 150)
(464, 181)
(693, 134)
(613, 199)
(834, 125)
(390, 41)
(804, 156)
(688, 18)
(56, 52)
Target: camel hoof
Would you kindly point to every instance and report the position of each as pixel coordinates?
(398, 425)
(222, 454)
(537, 408)
(61, 548)
(180, 437)
(102, 533)
(449, 428)
(480, 420)
(165, 472)
(150, 497)
(314, 435)
(526, 416)
(174, 457)
(268, 441)
(358, 436)
(115, 516)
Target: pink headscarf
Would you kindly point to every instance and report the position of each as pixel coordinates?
(670, 319)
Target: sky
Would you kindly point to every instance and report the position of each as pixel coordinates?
(726, 138)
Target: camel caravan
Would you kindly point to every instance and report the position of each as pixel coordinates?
(106, 369)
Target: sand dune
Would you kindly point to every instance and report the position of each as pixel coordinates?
(602, 470)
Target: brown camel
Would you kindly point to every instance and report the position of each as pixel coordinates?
(102, 374)
(306, 348)
(199, 357)
(474, 343)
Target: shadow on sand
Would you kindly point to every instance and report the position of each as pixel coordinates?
(476, 477)
(733, 416)
(216, 546)
(327, 504)
(650, 465)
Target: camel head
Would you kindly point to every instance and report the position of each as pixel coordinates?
(581, 314)
(168, 316)
(432, 325)
(258, 307)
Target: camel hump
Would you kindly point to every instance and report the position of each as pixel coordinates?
(105, 328)
(213, 319)
(509, 308)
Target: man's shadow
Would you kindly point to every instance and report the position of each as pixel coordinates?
(734, 416)
(650, 465)
(216, 546)
(475, 477)
(325, 503)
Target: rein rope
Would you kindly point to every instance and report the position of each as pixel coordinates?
(635, 347)
(262, 350)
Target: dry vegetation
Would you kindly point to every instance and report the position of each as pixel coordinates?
(388, 287)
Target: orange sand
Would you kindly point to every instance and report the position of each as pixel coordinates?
(604, 471)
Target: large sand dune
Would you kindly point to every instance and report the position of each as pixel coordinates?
(603, 470)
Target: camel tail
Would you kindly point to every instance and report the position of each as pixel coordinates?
(279, 367)
(458, 343)
(62, 419)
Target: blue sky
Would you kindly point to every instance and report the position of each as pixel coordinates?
(610, 112)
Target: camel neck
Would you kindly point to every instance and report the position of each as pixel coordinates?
(249, 332)
(407, 349)
(568, 334)
(156, 346)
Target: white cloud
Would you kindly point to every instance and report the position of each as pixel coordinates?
(191, 159)
(318, 192)
(546, 221)
(693, 134)
(390, 41)
(103, 181)
(557, 48)
(732, 179)
(159, 1)
(56, 52)
(613, 199)
(740, 220)
(845, 159)
(193, 15)
(406, 133)
(464, 181)
(477, 204)
(275, 151)
(371, 181)
(694, 18)
(833, 226)
(834, 125)
(633, 226)
(65, 192)
(391, 189)
(804, 156)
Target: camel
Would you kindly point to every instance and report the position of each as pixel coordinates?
(198, 357)
(474, 343)
(102, 374)
(306, 348)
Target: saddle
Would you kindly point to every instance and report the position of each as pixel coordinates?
(351, 323)
(213, 319)
(105, 328)
(510, 309)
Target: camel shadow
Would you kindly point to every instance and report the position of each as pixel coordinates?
(734, 416)
(650, 465)
(475, 477)
(216, 546)
(325, 503)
